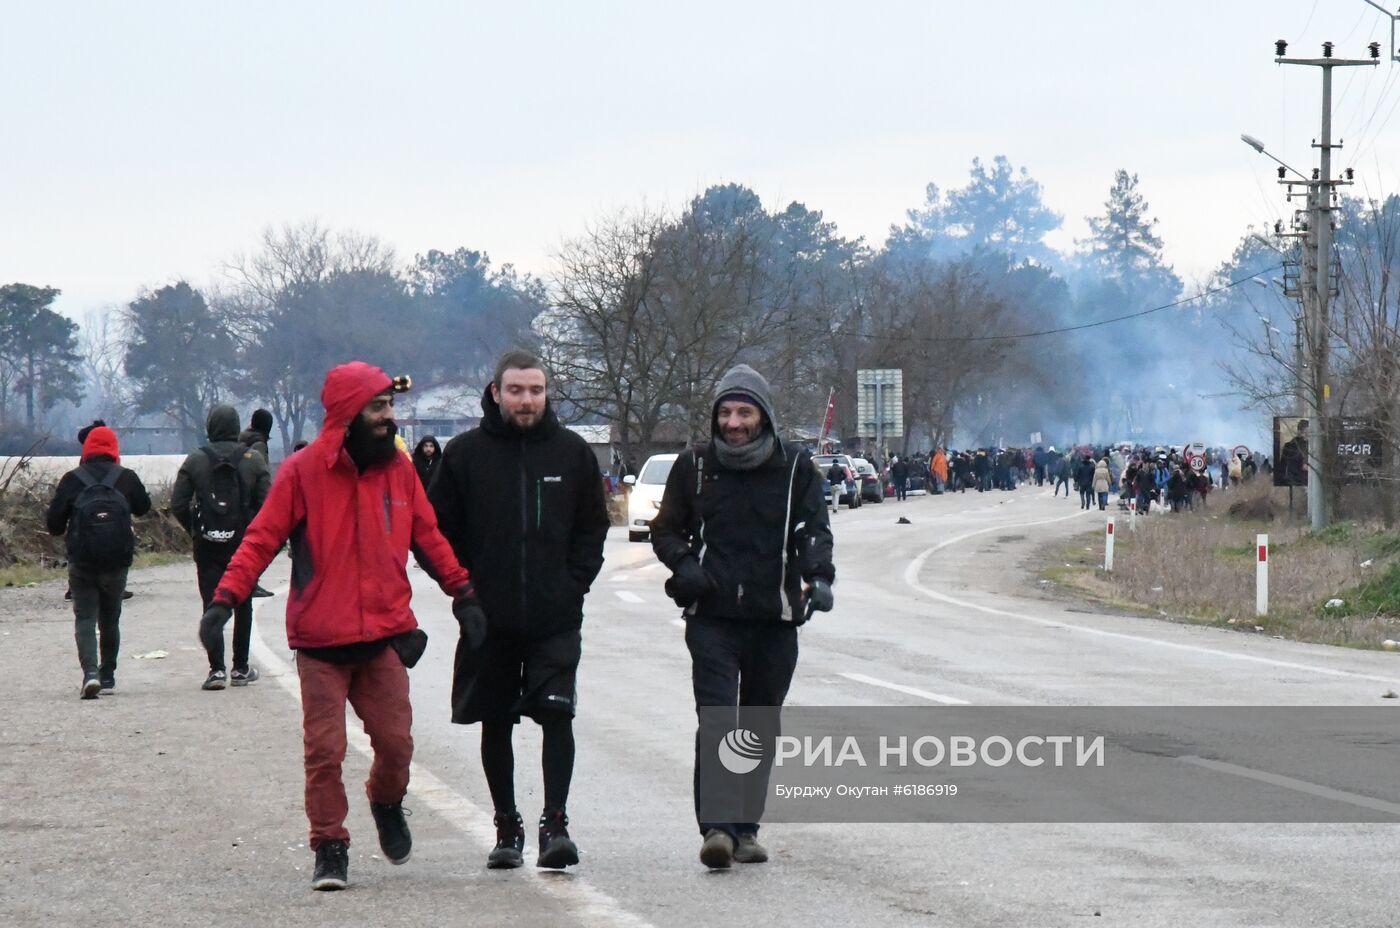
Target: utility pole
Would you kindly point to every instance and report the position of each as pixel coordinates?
(1317, 273)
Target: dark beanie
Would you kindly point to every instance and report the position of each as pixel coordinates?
(86, 430)
(262, 421)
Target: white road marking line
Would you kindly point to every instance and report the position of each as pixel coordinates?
(593, 906)
(619, 578)
(911, 577)
(1302, 786)
(907, 690)
(627, 596)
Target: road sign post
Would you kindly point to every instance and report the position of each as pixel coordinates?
(1108, 546)
(1261, 575)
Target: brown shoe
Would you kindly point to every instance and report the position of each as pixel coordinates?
(749, 851)
(717, 852)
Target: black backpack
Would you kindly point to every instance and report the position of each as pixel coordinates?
(219, 511)
(100, 536)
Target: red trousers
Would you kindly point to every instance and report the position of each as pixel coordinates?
(378, 692)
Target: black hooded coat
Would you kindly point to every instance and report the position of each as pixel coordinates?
(525, 513)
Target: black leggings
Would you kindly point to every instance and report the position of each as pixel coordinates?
(556, 757)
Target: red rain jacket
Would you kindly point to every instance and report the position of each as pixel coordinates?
(351, 532)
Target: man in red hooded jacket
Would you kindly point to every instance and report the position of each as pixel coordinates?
(353, 507)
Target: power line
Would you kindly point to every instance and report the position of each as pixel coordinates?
(1083, 325)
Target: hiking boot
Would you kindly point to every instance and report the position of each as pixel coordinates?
(243, 677)
(717, 852)
(216, 680)
(749, 851)
(332, 866)
(510, 842)
(259, 592)
(557, 850)
(394, 839)
(108, 681)
(91, 685)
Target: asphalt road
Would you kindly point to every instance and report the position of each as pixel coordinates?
(935, 613)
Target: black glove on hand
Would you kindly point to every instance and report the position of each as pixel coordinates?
(211, 626)
(471, 618)
(688, 582)
(819, 597)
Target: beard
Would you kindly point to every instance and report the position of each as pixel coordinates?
(367, 449)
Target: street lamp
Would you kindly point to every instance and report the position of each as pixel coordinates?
(1258, 146)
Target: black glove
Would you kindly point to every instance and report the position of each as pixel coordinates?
(471, 618)
(688, 582)
(211, 626)
(819, 597)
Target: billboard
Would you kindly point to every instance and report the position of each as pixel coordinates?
(1358, 451)
(1290, 451)
(1357, 447)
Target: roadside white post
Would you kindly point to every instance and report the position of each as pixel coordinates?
(1261, 576)
(1108, 546)
(1132, 514)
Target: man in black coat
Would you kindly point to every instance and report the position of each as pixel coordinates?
(98, 564)
(899, 471)
(194, 500)
(745, 532)
(258, 432)
(520, 498)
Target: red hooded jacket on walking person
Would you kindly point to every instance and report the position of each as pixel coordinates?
(353, 507)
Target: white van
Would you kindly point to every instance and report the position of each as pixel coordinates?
(645, 498)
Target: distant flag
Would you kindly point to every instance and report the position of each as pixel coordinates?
(829, 420)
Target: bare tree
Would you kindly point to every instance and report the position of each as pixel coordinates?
(606, 344)
(102, 346)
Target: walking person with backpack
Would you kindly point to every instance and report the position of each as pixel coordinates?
(744, 531)
(219, 489)
(93, 505)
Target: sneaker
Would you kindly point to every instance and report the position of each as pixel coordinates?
(332, 864)
(216, 680)
(109, 682)
(394, 839)
(557, 850)
(717, 852)
(91, 686)
(510, 842)
(749, 851)
(243, 677)
(259, 592)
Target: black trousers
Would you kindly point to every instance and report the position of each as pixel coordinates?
(210, 572)
(739, 663)
(97, 607)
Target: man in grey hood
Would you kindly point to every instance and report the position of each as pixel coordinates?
(219, 489)
(743, 527)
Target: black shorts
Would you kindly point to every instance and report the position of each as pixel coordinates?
(510, 677)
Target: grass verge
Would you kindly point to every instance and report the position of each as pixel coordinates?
(31, 574)
(1338, 587)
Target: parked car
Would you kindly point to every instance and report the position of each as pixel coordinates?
(871, 487)
(644, 500)
(852, 500)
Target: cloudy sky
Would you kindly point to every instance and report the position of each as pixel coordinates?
(146, 142)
